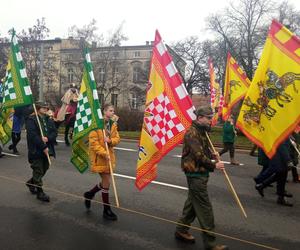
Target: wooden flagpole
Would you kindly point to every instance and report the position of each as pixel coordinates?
(111, 170)
(42, 134)
(228, 180)
(295, 146)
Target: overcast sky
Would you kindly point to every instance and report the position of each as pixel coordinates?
(174, 19)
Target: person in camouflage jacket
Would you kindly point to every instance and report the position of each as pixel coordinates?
(197, 161)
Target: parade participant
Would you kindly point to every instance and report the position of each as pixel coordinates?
(229, 134)
(99, 159)
(39, 147)
(197, 163)
(67, 111)
(18, 121)
(277, 171)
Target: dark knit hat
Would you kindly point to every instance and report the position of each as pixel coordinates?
(204, 111)
(41, 105)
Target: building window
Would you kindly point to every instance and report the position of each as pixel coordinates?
(116, 54)
(101, 99)
(102, 75)
(136, 74)
(49, 84)
(134, 99)
(114, 99)
(137, 54)
(70, 75)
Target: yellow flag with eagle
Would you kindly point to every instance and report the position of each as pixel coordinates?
(235, 87)
(270, 111)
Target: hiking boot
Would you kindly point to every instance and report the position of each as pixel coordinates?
(282, 201)
(260, 189)
(16, 152)
(234, 162)
(185, 237)
(88, 197)
(42, 196)
(109, 215)
(32, 189)
(219, 247)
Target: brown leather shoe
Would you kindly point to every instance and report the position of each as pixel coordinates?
(186, 237)
(220, 247)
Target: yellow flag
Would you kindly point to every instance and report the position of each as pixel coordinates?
(235, 86)
(168, 113)
(270, 111)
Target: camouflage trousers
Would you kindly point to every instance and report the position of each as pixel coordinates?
(39, 169)
(198, 206)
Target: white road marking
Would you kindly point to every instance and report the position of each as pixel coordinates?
(126, 149)
(225, 162)
(154, 182)
(134, 150)
(10, 154)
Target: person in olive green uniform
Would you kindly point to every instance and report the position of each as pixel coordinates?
(38, 148)
(196, 162)
(229, 134)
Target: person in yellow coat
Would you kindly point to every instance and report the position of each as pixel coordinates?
(100, 160)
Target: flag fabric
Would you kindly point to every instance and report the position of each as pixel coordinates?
(221, 103)
(297, 129)
(88, 116)
(168, 114)
(5, 120)
(214, 87)
(235, 86)
(270, 110)
(215, 93)
(17, 91)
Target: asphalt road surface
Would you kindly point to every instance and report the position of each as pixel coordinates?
(64, 223)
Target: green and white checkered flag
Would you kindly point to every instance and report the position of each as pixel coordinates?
(17, 91)
(6, 120)
(88, 116)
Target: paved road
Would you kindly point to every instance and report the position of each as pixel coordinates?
(26, 223)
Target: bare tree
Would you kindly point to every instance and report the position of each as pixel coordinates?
(4, 45)
(110, 70)
(242, 28)
(288, 16)
(32, 48)
(87, 32)
(195, 75)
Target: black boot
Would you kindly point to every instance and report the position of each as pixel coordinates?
(42, 196)
(282, 201)
(88, 197)
(260, 189)
(286, 194)
(15, 151)
(261, 186)
(32, 189)
(108, 214)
